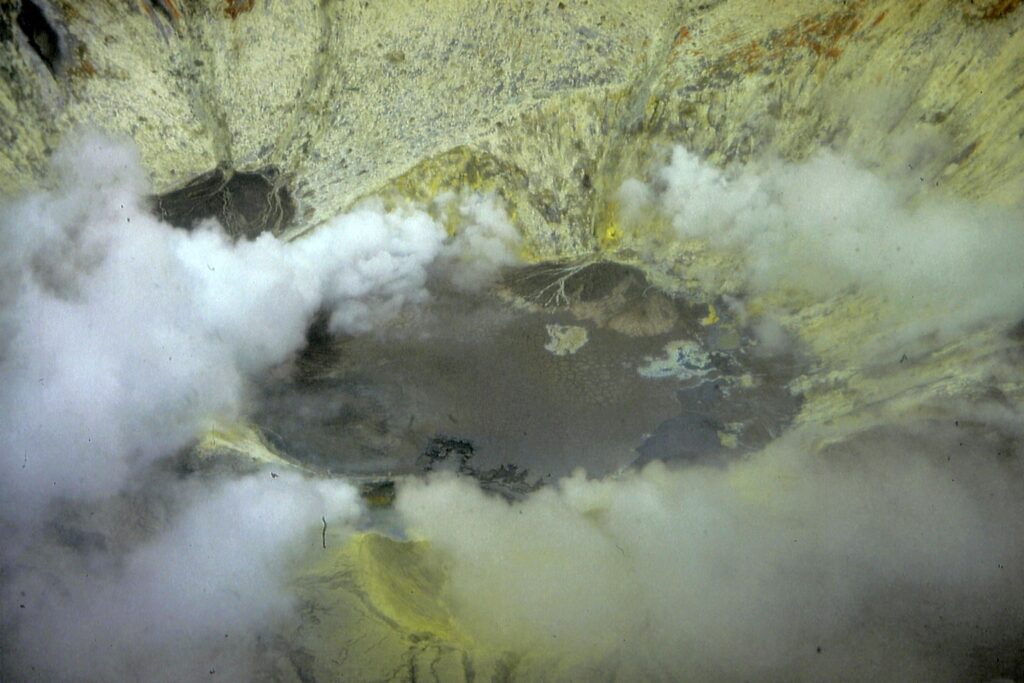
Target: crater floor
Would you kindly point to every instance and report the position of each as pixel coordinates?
(565, 366)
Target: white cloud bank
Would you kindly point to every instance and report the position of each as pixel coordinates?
(827, 225)
(894, 556)
(121, 338)
(879, 561)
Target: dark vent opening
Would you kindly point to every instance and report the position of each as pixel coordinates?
(245, 203)
(41, 36)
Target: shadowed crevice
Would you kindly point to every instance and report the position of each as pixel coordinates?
(246, 204)
(42, 37)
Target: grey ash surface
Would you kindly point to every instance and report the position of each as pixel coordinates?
(469, 386)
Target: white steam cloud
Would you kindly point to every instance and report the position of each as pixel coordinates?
(122, 339)
(486, 241)
(888, 553)
(192, 602)
(879, 561)
(826, 226)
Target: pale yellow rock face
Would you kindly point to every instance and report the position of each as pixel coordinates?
(551, 104)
